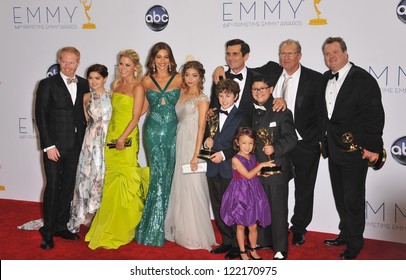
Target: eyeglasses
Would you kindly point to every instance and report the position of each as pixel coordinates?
(289, 54)
(261, 89)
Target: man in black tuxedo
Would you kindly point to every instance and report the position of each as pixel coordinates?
(237, 54)
(352, 105)
(61, 123)
(219, 171)
(280, 126)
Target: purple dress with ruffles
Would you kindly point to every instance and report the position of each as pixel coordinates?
(245, 202)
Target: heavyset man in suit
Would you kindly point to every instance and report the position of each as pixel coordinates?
(352, 105)
(219, 171)
(61, 124)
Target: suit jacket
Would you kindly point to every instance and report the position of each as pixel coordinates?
(246, 99)
(59, 121)
(358, 109)
(309, 100)
(223, 141)
(280, 124)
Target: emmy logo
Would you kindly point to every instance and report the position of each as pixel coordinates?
(87, 25)
(267, 139)
(213, 124)
(377, 164)
(318, 20)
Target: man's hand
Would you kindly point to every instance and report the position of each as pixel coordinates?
(279, 104)
(268, 150)
(372, 157)
(53, 154)
(218, 72)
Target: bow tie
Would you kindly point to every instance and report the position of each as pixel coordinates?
(71, 80)
(259, 107)
(223, 112)
(332, 76)
(235, 76)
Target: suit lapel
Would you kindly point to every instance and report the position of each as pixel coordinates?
(345, 89)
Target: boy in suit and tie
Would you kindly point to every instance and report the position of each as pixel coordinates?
(219, 172)
(280, 126)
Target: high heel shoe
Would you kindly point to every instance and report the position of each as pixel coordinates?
(252, 257)
(245, 252)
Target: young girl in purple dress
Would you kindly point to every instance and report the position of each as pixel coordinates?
(244, 202)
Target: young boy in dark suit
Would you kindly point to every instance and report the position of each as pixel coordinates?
(219, 172)
(280, 126)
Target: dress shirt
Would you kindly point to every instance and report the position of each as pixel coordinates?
(72, 87)
(240, 83)
(291, 91)
(333, 87)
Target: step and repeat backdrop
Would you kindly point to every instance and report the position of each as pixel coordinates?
(375, 32)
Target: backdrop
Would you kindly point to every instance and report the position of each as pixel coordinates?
(32, 31)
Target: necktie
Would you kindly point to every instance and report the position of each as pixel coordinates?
(71, 80)
(285, 85)
(332, 76)
(236, 76)
(223, 112)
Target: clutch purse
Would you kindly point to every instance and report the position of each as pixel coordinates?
(201, 167)
(112, 143)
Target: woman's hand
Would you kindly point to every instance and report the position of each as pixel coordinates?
(193, 163)
(120, 144)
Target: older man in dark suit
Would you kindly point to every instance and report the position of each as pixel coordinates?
(61, 123)
(352, 105)
(303, 90)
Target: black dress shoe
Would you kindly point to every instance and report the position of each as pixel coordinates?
(298, 239)
(221, 249)
(348, 255)
(47, 243)
(234, 253)
(334, 242)
(66, 234)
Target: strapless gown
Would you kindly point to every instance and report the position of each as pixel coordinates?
(125, 185)
(159, 143)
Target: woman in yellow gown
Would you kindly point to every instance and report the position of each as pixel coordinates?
(126, 182)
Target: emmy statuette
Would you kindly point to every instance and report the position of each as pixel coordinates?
(213, 124)
(267, 139)
(348, 138)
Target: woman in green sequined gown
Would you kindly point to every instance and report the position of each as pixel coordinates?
(126, 183)
(163, 89)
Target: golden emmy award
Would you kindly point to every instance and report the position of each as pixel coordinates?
(377, 164)
(87, 25)
(267, 139)
(318, 20)
(213, 123)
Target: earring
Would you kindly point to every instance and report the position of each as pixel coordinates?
(153, 68)
(170, 68)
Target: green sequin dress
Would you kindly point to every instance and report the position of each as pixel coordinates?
(159, 143)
